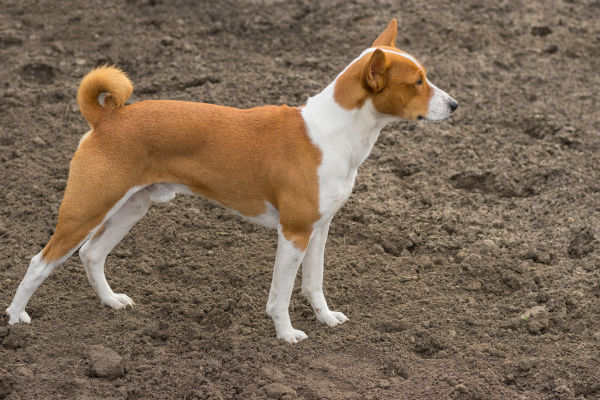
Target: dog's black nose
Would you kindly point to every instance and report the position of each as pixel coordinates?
(453, 105)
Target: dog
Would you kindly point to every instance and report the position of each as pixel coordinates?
(289, 168)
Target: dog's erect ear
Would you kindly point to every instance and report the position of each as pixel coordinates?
(388, 36)
(376, 70)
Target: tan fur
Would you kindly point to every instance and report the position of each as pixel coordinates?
(240, 158)
(389, 80)
(107, 79)
(388, 36)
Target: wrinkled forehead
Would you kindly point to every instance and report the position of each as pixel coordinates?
(395, 56)
(398, 56)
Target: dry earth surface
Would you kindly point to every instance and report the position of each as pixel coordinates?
(466, 259)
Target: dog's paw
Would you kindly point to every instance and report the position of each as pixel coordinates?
(331, 318)
(292, 335)
(118, 301)
(14, 317)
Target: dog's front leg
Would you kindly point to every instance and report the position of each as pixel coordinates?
(287, 261)
(312, 278)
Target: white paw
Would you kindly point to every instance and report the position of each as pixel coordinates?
(331, 318)
(291, 335)
(14, 318)
(118, 301)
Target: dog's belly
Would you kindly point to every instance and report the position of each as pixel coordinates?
(164, 192)
(270, 219)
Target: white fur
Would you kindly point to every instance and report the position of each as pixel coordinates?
(372, 49)
(345, 139)
(39, 270)
(312, 278)
(84, 138)
(94, 251)
(287, 261)
(270, 219)
(439, 104)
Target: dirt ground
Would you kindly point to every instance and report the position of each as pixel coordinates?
(466, 259)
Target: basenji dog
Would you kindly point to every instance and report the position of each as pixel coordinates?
(289, 168)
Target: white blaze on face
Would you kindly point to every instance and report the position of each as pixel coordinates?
(441, 105)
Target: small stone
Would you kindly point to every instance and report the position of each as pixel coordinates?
(543, 257)
(384, 384)
(80, 61)
(24, 371)
(144, 268)
(460, 256)
(498, 223)
(526, 364)
(245, 302)
(377, 249)
(537, 319)
(59, 48)
(104, 362)
(277, 390)
(143, 367)
(427, 265)
(489, 247)
(167, 41)
(460, 388)
(413, 237)
(80, 382)
(272, 374)
(38, 141)
(407, 278)
(473, 286)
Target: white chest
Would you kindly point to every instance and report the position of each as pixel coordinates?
(345, 138)
(335, 186)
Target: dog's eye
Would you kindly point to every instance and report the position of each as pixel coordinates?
(419, 82)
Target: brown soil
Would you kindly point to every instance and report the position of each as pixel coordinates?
(454, 230)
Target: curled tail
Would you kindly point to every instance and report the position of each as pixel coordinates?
(107, 79)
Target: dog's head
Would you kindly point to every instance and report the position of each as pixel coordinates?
(394, 81)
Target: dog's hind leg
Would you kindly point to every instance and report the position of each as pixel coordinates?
(73, 229)
(93, 253)
(92, 195)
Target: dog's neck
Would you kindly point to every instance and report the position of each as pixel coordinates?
(352, 133)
